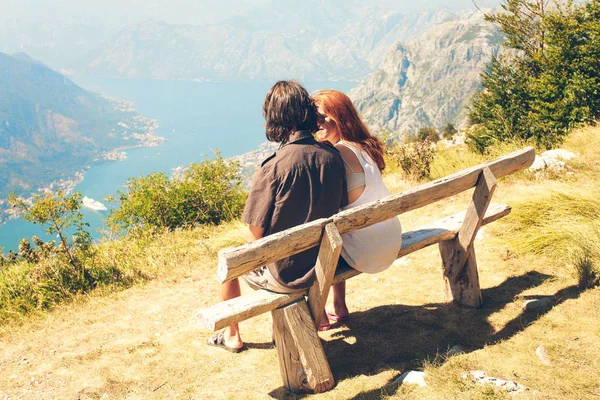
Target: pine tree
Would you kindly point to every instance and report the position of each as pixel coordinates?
(547, 82)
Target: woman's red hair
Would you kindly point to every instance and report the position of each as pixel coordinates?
(339, 108)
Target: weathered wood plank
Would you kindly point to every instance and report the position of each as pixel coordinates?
(228, 312)
(329, 254)
(302, 361)
(225, 313)
(240, 260)
(472, 221)
(436, 232)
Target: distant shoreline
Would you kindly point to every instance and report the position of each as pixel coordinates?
(68, 185)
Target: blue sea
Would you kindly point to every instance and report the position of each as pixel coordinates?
(195, 118)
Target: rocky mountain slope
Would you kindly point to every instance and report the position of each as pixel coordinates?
(50, 128)
(312, 40)
(429, 80)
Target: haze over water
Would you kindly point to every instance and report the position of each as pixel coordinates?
(195, 118)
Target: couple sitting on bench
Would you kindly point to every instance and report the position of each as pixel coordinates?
(327, 162)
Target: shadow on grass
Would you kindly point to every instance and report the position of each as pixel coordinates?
(404, 337)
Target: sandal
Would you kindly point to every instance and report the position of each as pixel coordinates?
(218, 340)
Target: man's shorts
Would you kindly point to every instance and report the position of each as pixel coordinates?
(262, 278)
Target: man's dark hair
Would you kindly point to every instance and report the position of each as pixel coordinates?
(288, 108)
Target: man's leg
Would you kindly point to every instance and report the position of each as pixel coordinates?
(231, 290)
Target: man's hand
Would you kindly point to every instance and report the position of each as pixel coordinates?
(256, 232)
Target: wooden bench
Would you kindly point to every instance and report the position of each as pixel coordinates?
(302, 361)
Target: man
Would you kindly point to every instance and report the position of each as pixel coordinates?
(303, 181)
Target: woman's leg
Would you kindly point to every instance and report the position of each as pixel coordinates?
(340, 309)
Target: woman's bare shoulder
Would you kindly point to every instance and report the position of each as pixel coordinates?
(349, 156)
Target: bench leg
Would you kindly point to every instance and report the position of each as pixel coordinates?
(464, 289)
(302, 362)
(458, 256)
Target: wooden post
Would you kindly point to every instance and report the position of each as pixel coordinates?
(458, 255)
(302, 362)
(465, 289)
(327, 260)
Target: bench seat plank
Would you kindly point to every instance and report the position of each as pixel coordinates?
(245, 307)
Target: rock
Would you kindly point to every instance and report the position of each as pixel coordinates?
(538, 163)
(456, 350)
(480, 378)
(559, 154)
(538, 304)
(412, 378)
(552, 160)
(402, 261)
(542, 355)
(481, 235)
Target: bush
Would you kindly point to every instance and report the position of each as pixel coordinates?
(207, 193)
(478, 139)
(449, 131)
(428, 133)
(44, 273)
(414, 158)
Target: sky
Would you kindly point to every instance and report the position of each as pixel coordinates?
(187, 11)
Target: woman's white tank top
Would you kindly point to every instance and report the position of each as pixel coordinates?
(374, 248)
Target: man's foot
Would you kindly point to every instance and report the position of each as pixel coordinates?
(234, 345)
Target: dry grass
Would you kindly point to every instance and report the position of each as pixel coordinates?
(142, 343)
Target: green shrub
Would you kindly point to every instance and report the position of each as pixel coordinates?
(449, 131)
(414, 158)
(428, 133)
(42, 273)
(207, 193)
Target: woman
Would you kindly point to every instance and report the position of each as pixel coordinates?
(371, 249)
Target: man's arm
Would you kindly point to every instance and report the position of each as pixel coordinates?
(256, 232)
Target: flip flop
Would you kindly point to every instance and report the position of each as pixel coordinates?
(335, 318)
(218, 340)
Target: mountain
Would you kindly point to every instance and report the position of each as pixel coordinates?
(429, 80)
(312, 40)
(50, 128)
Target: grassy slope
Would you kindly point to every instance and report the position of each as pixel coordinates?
(142, 342)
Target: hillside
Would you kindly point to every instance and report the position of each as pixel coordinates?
(50, 128)
(429, 80)
(314, 41)
(142, 342)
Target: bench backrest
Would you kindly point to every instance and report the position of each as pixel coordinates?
(240, 260)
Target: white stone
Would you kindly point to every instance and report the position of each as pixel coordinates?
(552, 160)
(480, 378)
(536, 304)
(402, 261)
(481, 235)
(542, 355)
(538, 164)
(412, 378)
(559, 154)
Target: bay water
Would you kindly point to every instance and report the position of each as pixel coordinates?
(196, 119)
